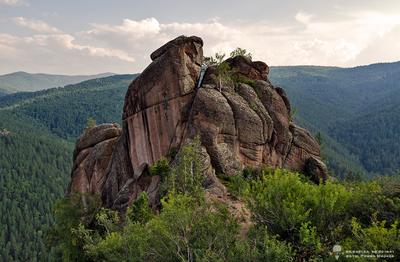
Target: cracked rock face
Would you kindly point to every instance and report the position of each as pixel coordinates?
(242, 123)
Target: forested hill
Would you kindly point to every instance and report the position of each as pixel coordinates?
(22, 81)
(64, 111)
(37, 133)
(355, 109)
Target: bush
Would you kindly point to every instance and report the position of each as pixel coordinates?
(314, 217)
(71, 215)
(184, 231)
(240, 52)
(259, 245)
(377, 236)
(140, 211)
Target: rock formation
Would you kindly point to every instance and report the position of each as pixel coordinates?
(243, 121)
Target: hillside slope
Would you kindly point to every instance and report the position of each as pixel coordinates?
(37, 131)
(22, 81)
(33, 173)
(350, 107)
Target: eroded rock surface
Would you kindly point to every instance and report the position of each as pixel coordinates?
(242, 122)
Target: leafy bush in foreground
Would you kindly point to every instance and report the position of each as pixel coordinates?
(313, 218)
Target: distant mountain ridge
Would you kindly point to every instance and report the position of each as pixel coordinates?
(355, 107)
(23, 81)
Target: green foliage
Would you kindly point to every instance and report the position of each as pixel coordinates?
(209, 61)
(191, 231)
(172, 153)
(377, 236)
(319, 138)
(236, 185)
(355, 109)
(309, 240)
(65, 111)
(140, 211)
(261, 246)
(224, 74)
(106, 220)
(183, 231)
(238, 78)
(240, 52)
(161, 168)
(293, 218)
(72, 214)
(35, 162)
(186, 176)
(34, 168)
(91, 122)
(315, 217)
(216, 60)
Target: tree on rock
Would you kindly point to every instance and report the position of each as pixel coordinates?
(241, 52)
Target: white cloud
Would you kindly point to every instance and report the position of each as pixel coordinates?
(36, 25)
(14, 2)
(382, 48)
(67, 41)
(312, 40)
(355, 38)
(59, 53)
(303, 17)
(138, 29)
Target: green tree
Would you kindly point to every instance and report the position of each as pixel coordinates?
(186, 176)
(240, 52)
(91, 122)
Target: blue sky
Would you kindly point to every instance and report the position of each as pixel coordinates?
(85, 37)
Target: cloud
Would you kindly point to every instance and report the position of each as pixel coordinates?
(382, 48)
(310, 40)
(138, 29)
(354, 39)
(59, 53)
(14, 2)
(35, 25)
(303, 17)
(67, 41)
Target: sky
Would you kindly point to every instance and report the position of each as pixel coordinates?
(94, 36)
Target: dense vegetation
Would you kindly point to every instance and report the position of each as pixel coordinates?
(37, 133)
(33, 173)
(292, 219)
(355, 110)
(64, 111)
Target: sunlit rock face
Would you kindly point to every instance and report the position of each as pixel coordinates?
(241, 122)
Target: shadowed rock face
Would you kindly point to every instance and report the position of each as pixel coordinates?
(241, 123)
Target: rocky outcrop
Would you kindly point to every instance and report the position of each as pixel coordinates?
(242, 121)
(92, 157)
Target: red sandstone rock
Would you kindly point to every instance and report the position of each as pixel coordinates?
(240, 124)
